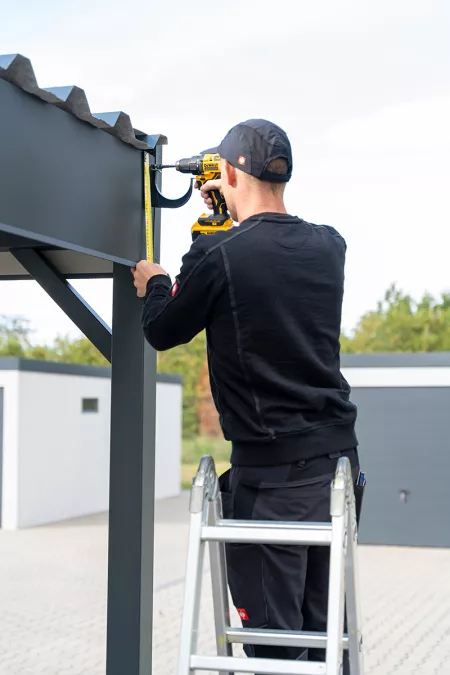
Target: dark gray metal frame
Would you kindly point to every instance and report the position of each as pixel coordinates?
(65, 295)
(73, 181)
(132, 476)
(132, 458)
(56, 159)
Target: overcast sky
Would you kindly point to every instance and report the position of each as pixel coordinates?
(362, 89)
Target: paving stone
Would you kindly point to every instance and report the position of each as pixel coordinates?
(53, 601)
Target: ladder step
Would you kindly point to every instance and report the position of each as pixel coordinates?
(279, 638)
(263, 666)
(270, 532)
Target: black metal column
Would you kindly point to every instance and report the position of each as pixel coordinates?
(132, 475)
(130, 565)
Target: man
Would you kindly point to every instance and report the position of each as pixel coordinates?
(269, 294)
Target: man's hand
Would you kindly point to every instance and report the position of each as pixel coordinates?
(142, 273)
(206, 189)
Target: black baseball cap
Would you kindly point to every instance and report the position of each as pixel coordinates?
(251, 145)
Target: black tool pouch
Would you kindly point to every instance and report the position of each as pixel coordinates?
(226, 496)
(359, 496)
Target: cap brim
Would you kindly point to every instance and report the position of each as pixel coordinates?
(211, 151)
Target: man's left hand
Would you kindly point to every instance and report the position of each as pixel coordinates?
(142, 273)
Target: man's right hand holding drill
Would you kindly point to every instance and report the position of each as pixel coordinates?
(205, 191)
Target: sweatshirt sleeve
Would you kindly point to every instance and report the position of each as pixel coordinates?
(174, 314)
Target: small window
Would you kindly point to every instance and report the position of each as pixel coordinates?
(89, 405)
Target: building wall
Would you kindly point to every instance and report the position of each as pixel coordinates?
(169, 406)
(403, 428)
(63, 452)
(9, 382)
(404, 447)
(56, 457)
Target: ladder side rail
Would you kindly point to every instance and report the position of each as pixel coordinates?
(219, 581)
(336, 591)
(354, 616)
(192, 594)
(204, 488)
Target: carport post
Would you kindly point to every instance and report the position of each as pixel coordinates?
(132, 475)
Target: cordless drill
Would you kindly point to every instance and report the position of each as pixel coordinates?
(205, 167)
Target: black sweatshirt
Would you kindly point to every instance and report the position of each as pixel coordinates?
(269, 293)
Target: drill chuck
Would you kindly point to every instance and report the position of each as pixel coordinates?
(192, 165)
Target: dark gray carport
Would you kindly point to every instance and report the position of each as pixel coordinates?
(71, 206)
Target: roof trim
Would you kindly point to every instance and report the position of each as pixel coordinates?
(18, 70)
(397, 360)
(348, 361)
(35, 366)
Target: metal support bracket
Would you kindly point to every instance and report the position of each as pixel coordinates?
(161, 202)
(67, 298)
(158, 200)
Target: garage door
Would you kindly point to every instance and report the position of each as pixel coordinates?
(404, 436)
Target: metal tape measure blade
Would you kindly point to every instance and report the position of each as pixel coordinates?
(148, 209)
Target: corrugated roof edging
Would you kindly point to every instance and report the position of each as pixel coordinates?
(18, 70)
(56, 368)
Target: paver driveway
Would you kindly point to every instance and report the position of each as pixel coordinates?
(53, 601)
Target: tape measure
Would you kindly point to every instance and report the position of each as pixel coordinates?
(148, 210)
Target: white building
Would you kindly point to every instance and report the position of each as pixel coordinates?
(54, 440)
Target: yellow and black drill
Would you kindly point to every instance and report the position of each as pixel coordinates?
(205, 167)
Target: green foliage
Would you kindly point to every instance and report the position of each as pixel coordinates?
(77, 351)
(193, 451)
(195, 448)
(14, 336)
(402, 324)
(15, 341)
(11, 346)
(187, 361)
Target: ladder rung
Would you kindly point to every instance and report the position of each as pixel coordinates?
(263, 666)
(279, 638)
(270, 532)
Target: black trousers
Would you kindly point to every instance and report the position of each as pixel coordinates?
(273, 586)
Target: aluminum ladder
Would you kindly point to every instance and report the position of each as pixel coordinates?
(208, 525)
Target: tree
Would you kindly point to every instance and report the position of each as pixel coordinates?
(14, 336)
(77, 351)
(15, 341)
(402, 324)
(187, 361)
